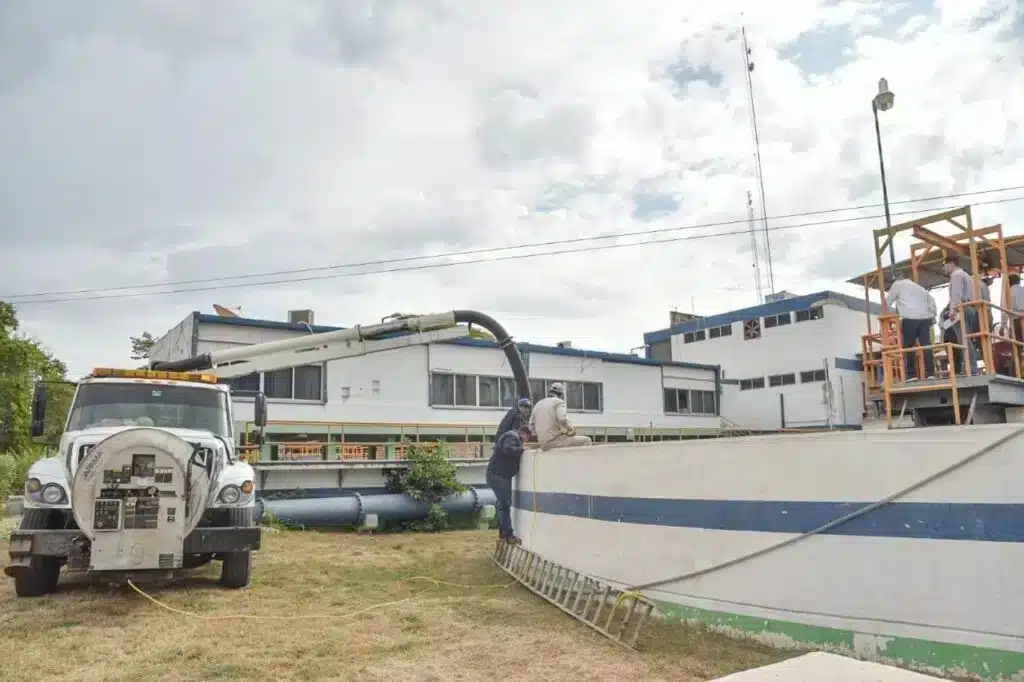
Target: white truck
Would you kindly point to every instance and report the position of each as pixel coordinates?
(147, 480)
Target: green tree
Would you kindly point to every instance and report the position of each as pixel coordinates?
(23, 362)
(430, 477)
(142, 345)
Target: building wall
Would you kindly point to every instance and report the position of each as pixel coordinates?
(801, 349)
(394, 386)
(925, 579)
(176, 344)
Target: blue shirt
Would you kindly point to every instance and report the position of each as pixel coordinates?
(506, 455)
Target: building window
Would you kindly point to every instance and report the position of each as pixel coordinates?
(752, 329)
(470, 390)
(782, 379)
(305, 382)
(812, 376)
(442, 389)
(685, 401)
(465, 390)
(751, 384)
(489, 388)
(777, 320)
(717, 332)
(702, 402)
(690, 337)
(810, 314)
(583, 396)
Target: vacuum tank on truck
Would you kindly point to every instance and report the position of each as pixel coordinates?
(147, 479)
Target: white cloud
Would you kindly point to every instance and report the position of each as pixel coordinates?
(162, 141)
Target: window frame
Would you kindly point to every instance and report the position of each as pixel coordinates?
(691, 399)
(507, 392)
(752, 384)
(781, 380)
(244, 392)
(813, 376)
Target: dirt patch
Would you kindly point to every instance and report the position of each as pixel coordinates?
(383, 619)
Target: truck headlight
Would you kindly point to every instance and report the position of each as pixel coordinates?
(230, 494)
(32, 485)
(52, 493)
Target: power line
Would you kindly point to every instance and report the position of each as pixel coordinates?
(430, 266)
(494, 249)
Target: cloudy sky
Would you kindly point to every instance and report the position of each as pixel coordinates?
(155, 145)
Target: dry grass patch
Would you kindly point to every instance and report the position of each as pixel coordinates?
(94, 634)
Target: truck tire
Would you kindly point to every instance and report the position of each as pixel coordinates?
(40, 577)
(236, 567)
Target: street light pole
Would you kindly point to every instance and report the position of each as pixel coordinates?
(884, 101)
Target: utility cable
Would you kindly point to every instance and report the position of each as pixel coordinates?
(432, 266)
(322, 616)
(498, 249)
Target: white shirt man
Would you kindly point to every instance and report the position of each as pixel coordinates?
(917, 311)
(911, 300)
(961, 291)
(550, 421)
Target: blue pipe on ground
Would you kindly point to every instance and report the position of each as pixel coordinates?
(353, 508)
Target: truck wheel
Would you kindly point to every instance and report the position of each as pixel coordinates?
(40, 577)
(236, 567)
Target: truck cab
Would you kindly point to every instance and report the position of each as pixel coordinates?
(192, 412)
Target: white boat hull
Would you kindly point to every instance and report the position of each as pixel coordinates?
(934, 579)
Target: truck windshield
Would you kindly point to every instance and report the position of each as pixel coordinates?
(137, 404)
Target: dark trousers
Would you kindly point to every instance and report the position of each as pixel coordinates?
(917, 332)
(502, 488)
(949, 336)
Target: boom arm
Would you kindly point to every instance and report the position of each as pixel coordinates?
(359, 340)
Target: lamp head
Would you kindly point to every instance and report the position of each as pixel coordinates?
(884, 100)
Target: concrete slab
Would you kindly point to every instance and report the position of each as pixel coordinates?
(820, 666)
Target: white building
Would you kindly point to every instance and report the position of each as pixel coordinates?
(456, 390)
(789, 363)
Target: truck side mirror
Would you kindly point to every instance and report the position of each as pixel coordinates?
(39, 411)
(259, 416)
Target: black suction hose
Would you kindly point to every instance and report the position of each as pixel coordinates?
(515, 360)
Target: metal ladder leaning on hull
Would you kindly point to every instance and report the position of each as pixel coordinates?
(581, 596)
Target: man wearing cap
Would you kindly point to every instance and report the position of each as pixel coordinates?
(501, 469)
(515, 417)
(550, 421)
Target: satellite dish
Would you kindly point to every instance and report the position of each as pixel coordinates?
(223, 311)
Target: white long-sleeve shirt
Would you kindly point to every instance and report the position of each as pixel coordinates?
(911, 300)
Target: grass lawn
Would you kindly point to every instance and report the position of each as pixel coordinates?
(88, 634)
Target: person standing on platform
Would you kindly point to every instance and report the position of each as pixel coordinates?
(960, 291)
(917, 309)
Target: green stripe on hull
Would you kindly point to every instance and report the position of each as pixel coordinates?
(924, 655)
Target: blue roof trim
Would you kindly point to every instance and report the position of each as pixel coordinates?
(766, 309)
(524, 347)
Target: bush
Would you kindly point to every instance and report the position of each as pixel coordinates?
(430, 478)
(14, 469)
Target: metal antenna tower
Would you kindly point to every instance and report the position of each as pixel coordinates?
(748, 62)
(753, 248)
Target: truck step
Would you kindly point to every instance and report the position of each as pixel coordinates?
(620, 616)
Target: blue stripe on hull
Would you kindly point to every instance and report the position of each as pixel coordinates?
(922, 520)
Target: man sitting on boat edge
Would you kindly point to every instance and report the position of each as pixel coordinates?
(550, 421)
(503, 466)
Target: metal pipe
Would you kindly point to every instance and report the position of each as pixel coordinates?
(347, 510)
(885, 191)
